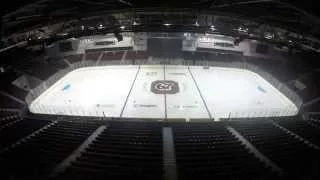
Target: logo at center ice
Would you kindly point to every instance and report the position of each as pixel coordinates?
(164, 87)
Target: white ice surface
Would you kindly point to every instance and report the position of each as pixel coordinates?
(98, 91)
(240, 92)
(187, 103)
(93, 91)
(142, 102)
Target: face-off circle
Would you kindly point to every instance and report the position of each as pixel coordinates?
(164, 87)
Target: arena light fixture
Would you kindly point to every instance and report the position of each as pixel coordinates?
(135, 23)
(101, 26)
(242, 29)
(167, 24)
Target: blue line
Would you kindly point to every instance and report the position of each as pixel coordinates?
(125, 103)
(204, 102)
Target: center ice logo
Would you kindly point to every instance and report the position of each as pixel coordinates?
(164, 87)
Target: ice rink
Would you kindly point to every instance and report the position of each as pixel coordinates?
(163, 91)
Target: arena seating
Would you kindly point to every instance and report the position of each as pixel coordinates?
(209, 151)
(37, 68)
(44, 151)
(315, 116)
(7, 117)
(74, 58)
(6, 79)
(7, 102)
(188, 55)
(19, 129)
(4, 113)
(312, 90)
(283, 149)
(301, 128)
(133, 55)
(16, 92)
(127, 149)
(117, 55)
(93, 56)
(57, 63)
(142, 55)
(8, 76)
(124, 149)
(314, 107)
(315, 119)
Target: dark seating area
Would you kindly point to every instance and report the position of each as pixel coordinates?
(312, 90)
(302, 128)
(4, 113)
(133, 55)
(7, 117)
(19, 129)
(16, 91)
(210, 151)
(112, 55)
(142, 55)
(92, 56)
(134, 149)
(187, 55)
(281, 71)
(37, 68)
(315, 107)
(289, 153)
(7, 102)
(123, 149)
(41, 153)
(314, 116)
(74, 58)
(57, 62)
(315, 120)
(8, 76)
(6, 79)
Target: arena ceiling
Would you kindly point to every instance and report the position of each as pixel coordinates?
(182, 14)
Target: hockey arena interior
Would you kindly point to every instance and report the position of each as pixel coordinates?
(207, 91)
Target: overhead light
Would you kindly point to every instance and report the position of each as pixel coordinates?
(122, 27)
(101, 26)
(135, 23)
(212, 28)
(167, 24)
(268, 35)
(186, 34)
(241, 29)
